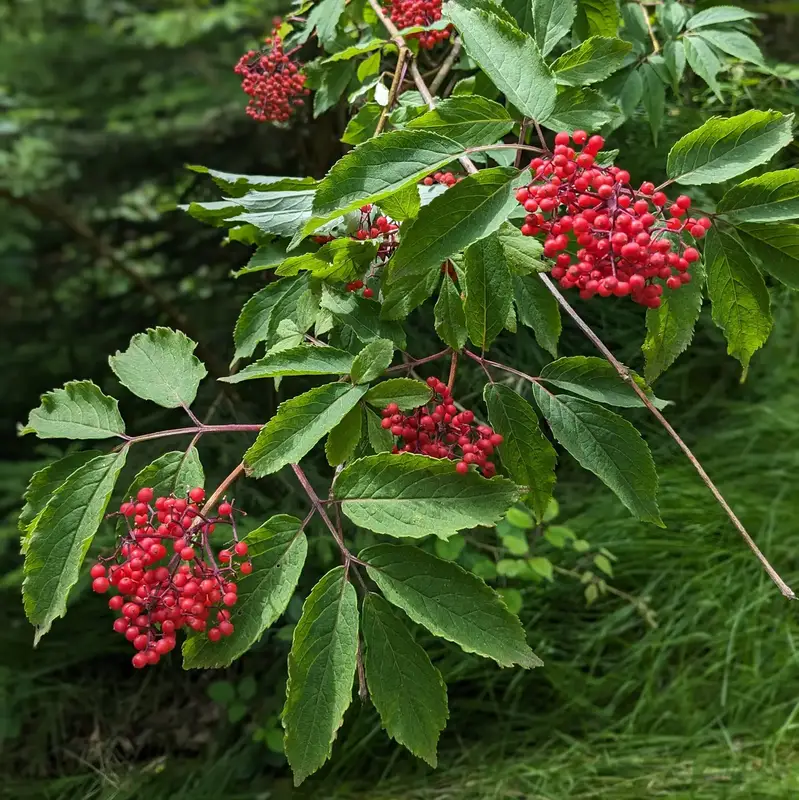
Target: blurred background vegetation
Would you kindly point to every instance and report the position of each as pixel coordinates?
(681, 680)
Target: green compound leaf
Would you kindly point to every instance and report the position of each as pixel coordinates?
(489, 290)
(607, 445)
(450, 602)
(363, 316)
(739, 297)
(471, 120)
(78, 411)
(407, 393)
(509, 57)
(595, 379)
(60, 536)
(552, 20)
(277, 550)
(413, 495)
(592, 61)
(776, 248)
(450, 317)
(723, 148)
(343, 439)
(372, 361)
(468, 211)
(670, 328)
(772, 197)
(408, 691)
(321, 673)
(299, 424)
(160, 366)
(304, 359)
(43, 484)
(264, 311)
(538, 309)
(526, 453)
(378, 168)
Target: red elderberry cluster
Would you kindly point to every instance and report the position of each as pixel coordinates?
(622, 234)
(441, 431)
(273, 81)
(410, 13)
(156, 599)
(444, 178)
(375, 226)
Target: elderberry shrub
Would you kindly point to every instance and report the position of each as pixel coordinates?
(156, 599)
(275, 83)
(623, 234)
(439, 430)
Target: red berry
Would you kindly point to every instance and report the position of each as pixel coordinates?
(241, 548)
(144, 495)
(246, 567)
(225, 509)
(462, 467)
(187, 553)
(214, 634)
(580, 137)
(230, 599)
(140, 660)
(197, 495)
(97, 571)
(100, 585)
(367, 293)
(226, 628)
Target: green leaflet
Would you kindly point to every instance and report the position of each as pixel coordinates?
(489, 290)
(407, 393)
(343, 439)
(160, 366)
(471, 120)
(733, 43)
(416, 496)
(378, 168)
(60, 536)
(538, 309)
(526, 453)
(595, 379)
(740, 300)
(768, 198)
(363, 125)
(718, 16)
(607, 445)
(278, 213)
(523, 253)
(237, 185)
(277, 550)
(44, 482)
(78, 411)
(450, 317)
(450, 602)
(670, 328)
(299, 424)
(372, 361)
(509, 57)
(704, 62)
(776, 248)
(723, 148)
(321, 673)
(672, 16)
(408, 691)
(340, 260)
(402, 205)
(380, 439)
(552, 20)
(304, 359)
(597, 18)
(580, 108)
(263, 312)
(654, 99)
(468, 211)
(362, 315)
(591, 61)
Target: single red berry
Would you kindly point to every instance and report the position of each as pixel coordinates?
(225, 509)
(230, 599)
(100, 585)
(144, 495)
(187, 553)
(462, 467)
(214, 634)
(97, 571)
(225, 555)
(140, 660)
(226, 628)
(246, 567)
(367, 293)
(241, 548)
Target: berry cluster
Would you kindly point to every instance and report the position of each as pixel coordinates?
(273, 81)
(156, 599)
(411, 13)
(626, 238)
(440, 431)
(444, 178)
(375, 226)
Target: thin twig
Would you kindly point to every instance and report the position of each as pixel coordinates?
(221, 489)
(194, 429)
(449, 62)
(624, 374)
(417, 361)
(392, 92)
(453, 368)
(655, 44)
(523, 128)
